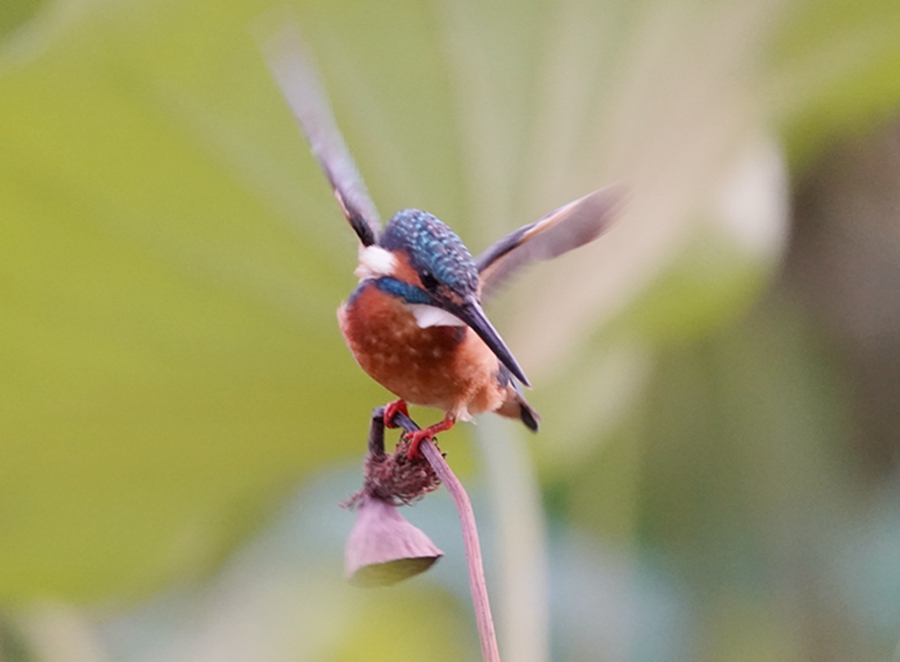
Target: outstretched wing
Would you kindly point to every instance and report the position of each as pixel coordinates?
(292, 69)
(570, 226)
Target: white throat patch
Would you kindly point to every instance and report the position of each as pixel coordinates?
(432, 316)
(375, 262)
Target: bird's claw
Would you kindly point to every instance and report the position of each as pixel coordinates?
(416, 438)
(391, 410)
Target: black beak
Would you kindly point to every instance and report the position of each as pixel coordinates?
(471, 313)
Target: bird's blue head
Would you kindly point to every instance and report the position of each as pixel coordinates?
(434, 251)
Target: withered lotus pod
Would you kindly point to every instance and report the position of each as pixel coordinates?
(383, 547)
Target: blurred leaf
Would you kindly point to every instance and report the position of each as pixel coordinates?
(17, 12)
(170, 352)
(833, 68)
(171, 258)
(742, 476)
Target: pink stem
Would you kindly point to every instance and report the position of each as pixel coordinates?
(473, 550)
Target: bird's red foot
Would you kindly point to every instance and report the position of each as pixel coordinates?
(417, 437)
(391, 410)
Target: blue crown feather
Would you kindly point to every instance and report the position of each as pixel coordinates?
(432, 247)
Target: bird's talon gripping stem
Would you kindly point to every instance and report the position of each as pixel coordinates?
(391, 410)
(417, 437)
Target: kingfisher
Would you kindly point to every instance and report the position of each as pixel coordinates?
(415, 322)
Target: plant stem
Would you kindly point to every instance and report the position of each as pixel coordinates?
(477, 585)
(473, 551)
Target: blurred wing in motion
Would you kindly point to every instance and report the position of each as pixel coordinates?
(570, 226)
(291, 66)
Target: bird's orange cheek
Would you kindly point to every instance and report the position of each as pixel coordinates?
(404, 271)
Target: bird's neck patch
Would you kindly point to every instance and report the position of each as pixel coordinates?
(375, 262)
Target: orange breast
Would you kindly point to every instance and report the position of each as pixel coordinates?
(446, 367)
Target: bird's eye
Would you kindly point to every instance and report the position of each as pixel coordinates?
(428, 280)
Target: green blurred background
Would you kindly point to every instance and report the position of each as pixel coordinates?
(719, 375)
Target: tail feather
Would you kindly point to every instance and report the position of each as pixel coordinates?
(515, 405)
(528, 415)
